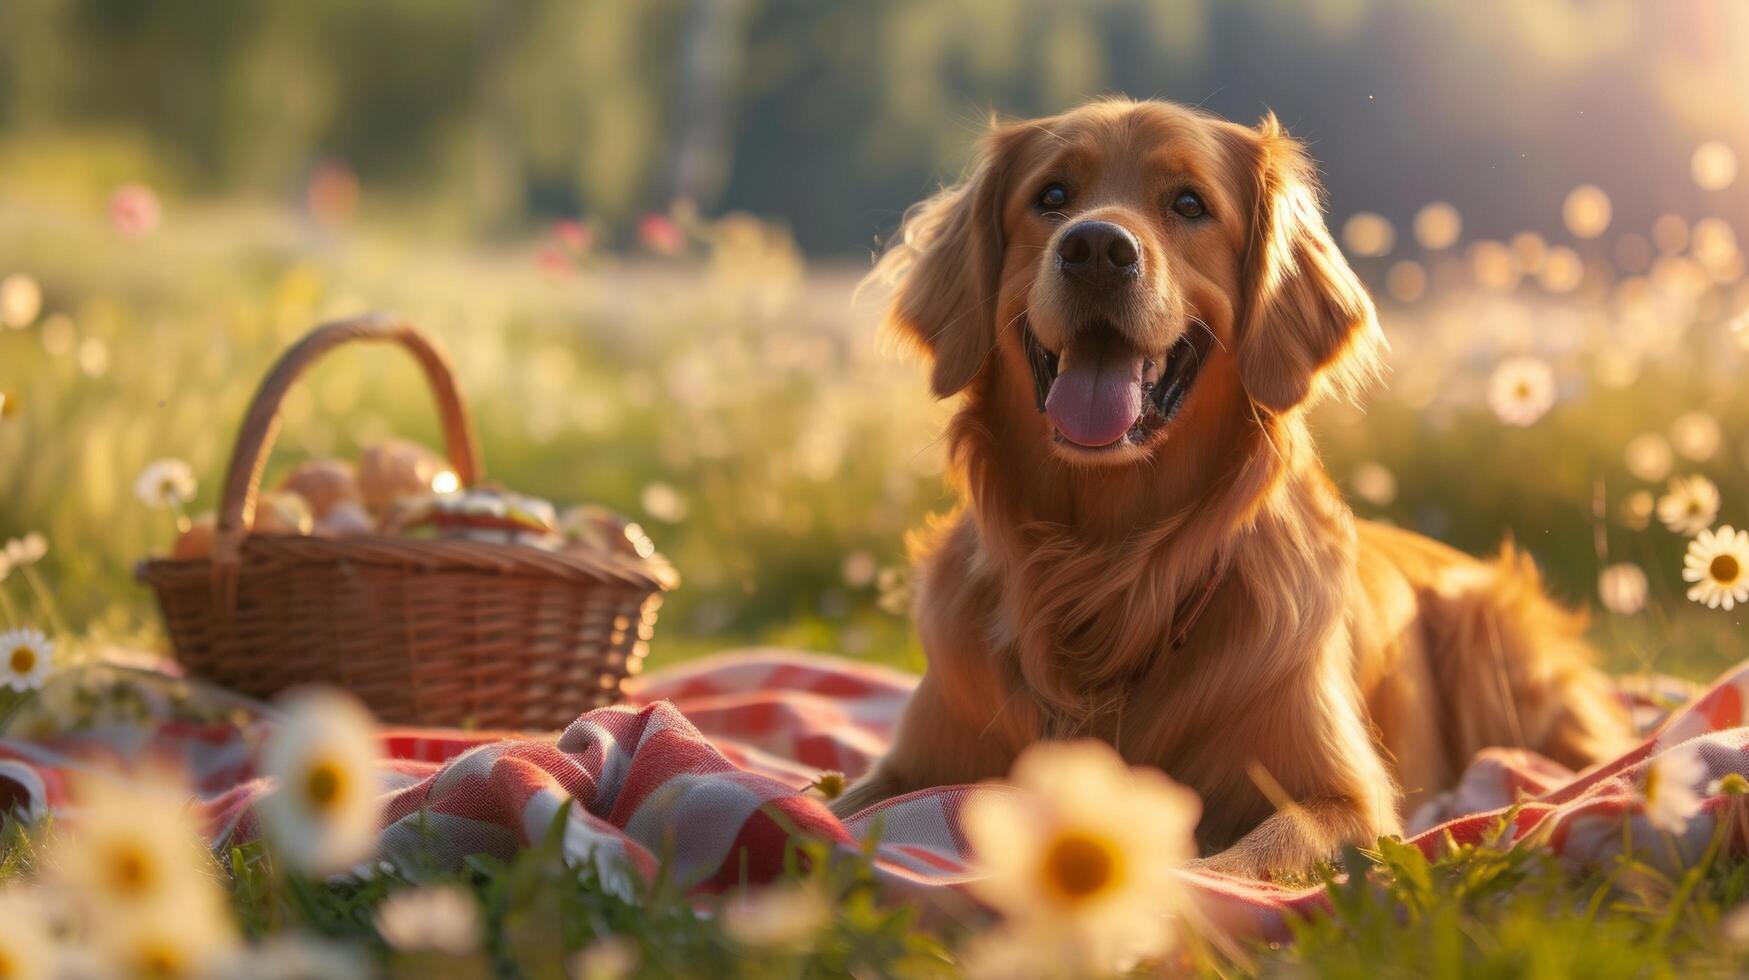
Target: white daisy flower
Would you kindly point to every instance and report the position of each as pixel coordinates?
(26, 656)
(1623, 587)
(1718, 564)
(178, 941)
(443, 918)
(1690, 505)
(1648, 457)
(166, 484)
(133, 850)
(323, 814)
(776, 916)
(1521, 390)
(1080, 855)
(1670, 795)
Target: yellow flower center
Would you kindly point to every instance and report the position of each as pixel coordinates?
(1078, 866)
(130, 870)
(160, 960)
(1523, 390)
(1725, 569)
(1693, 507)
(324, 785)
(23, 660)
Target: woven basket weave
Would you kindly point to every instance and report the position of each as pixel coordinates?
(425, 632)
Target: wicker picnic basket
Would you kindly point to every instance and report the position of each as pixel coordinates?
(425, 632)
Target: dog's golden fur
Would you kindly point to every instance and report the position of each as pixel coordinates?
(1341, 669)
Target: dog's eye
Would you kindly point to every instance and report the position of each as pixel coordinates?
(1188, 205)
(1053, 197)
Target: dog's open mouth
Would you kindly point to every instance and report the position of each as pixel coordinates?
(1100, 392)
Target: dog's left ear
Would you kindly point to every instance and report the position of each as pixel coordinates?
(1309, 326)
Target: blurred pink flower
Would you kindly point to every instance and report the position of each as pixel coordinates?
(574, 235)
(554, 261)
(134, 211)
(660, 234)
(332, 193)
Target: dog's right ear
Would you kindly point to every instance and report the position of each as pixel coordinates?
(946, 266)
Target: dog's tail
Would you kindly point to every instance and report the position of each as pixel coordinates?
(1513, 668)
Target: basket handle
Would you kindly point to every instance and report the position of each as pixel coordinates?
(261, 424)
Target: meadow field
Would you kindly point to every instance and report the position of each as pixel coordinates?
(741, 404)
(746, 409)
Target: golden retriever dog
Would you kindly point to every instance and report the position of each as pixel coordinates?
(1138, 303)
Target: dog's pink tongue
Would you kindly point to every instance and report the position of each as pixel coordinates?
(1097, 395)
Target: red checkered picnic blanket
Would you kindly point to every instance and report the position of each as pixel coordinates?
(709, 764)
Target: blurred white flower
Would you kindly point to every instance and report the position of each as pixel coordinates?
(777, 916)
(1374, 484)
(441, 917)
(1670, 795)
(1718, 564)
(292, 957)
(1636, 510)
(893, 584)
(607, 958)
(322, 755)
(27, 550)
(168, 942)
(859, 569)
(1648, 457)
(26, 657)
(1623, 587)
(1521, 390)
(663, 502)
(27, 943)
(134, 853)
(1081, 855)
(1690, 505)
(1696, 436)
(1734, 926)
(21, 299)
(166, 483)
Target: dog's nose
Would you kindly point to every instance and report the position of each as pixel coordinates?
(1099, 253)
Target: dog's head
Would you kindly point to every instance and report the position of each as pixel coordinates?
(1106, 264)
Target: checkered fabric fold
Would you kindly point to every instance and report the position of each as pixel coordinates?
(709, 765)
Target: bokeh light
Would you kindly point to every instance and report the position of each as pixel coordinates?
(1586, 211)
(1493, 266)
(1406, 281)
(1528, 251)
(21, 299)
(1562, 270)
(1369, 235)
(1437, 226)
(1714, 165)
(1670, 233)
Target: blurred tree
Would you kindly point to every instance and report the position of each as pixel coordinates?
(834, 114)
